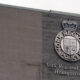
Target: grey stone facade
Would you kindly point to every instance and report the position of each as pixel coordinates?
(26, 43)
(55, 68)
(20, 44)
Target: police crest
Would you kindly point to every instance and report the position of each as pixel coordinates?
(67, 42)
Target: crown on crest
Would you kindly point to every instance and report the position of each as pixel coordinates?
(69, 25)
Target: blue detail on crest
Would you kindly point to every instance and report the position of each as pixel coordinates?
(69, 25)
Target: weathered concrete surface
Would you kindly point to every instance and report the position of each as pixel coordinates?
(20, 44)
(51, 27)
(23, 34)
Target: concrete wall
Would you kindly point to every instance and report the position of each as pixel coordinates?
(51, 26)
(23, 34)
(20, 44)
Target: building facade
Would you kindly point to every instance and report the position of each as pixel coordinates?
(27, 39)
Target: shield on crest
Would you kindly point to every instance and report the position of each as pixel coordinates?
(70, 45)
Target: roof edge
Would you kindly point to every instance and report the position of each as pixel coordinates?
(40, 10)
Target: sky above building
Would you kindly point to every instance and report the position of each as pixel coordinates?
(72, 6)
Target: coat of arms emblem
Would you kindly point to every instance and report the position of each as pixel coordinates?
(67, 42)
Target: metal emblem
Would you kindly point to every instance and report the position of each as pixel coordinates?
(67, 42)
